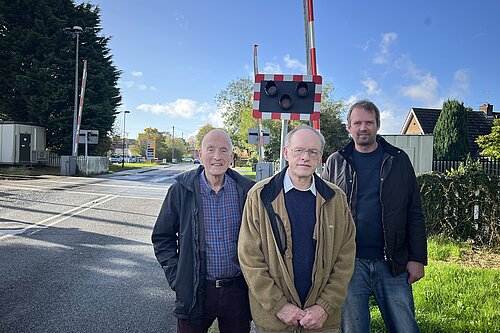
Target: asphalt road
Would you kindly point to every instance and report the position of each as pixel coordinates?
(76, 255)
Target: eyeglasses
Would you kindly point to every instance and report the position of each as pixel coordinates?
(313, 153)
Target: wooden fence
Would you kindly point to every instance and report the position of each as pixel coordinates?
(491, 167)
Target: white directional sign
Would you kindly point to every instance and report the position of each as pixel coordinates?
(90, 137)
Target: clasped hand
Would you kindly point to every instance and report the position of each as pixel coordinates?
(311, 318)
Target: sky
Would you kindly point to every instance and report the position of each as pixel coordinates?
(176, 56)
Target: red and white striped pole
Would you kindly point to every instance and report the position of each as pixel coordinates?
(311, 46)
(261, 134)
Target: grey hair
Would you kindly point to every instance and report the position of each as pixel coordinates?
(288, 137)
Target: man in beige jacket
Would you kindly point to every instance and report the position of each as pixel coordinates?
(297, 243)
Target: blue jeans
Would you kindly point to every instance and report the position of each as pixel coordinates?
(393, 295)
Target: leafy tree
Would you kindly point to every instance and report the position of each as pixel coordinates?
(164, 145)
(451, 137)
(331, 126)
(491, 143)
(236, 104)
(201, 133)
(150, 134)
(37, 64)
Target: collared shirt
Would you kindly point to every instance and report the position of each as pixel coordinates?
(222, 219)
(288, 185)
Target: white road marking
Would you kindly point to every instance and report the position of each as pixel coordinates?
(65, 215)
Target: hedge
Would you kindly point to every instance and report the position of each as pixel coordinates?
(462, 205)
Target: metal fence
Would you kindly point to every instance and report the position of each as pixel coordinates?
(490, 166)
(88, 165)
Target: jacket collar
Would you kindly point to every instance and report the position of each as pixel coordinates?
(189, 178)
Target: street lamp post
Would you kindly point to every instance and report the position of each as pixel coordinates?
(76, 31)
(123, 143)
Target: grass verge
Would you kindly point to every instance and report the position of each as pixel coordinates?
(455, 295)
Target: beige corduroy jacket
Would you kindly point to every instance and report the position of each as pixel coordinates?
(269, 274)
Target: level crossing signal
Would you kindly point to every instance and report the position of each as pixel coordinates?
(293, 97)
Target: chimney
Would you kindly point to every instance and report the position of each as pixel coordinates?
(487, 108)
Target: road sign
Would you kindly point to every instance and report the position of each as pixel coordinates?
(150, 149)
(253, 136)
(90, 137)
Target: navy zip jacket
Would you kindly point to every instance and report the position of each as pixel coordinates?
(178, 240)
(402, 217)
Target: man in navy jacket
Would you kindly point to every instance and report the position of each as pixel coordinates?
(391, 247)
(195, 241)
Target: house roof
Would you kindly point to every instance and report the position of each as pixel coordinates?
(426, 118)
(478, 123)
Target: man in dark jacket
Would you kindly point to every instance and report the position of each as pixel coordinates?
(195, 241)
(391, 247)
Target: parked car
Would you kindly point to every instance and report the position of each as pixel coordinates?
(115, 159)
(187, 159)
(196, 161)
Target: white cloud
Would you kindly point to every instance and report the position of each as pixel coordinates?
(215, 118)
(142, 86)
(137, 74)
(182, 108)
(294, 64)
(272, 68)
(383, 54)
(460, 85)
(425, 90)
(128, 84)
(153, 88)
(425, 86)
(371, 85)
(181, 21)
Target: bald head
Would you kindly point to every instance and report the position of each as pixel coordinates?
(216, 133)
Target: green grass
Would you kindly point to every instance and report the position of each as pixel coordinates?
(129, 166)
(246, 171)
(451, 297)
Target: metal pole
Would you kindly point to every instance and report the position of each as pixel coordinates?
(123, 142)
(310, 44)
(284, 132)
(173, 142)
(76, 95)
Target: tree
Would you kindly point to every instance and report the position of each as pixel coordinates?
(164, 144)
(150, 134)
(37, 64)
(491, 143)
(331, 126)
(451, 137)
(236, 102)
(201, 133)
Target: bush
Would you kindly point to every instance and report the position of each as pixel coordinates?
(464, 205)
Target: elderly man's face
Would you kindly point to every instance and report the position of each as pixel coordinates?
(303, 154)
(216, 154)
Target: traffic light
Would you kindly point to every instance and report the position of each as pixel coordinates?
(293, 97)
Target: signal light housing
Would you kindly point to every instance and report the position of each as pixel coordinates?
(293, 97)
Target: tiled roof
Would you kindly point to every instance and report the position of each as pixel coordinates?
(427, 119)
(477, 122)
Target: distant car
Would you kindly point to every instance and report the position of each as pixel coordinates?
(196, 161)
(187, 159)
(115, 159)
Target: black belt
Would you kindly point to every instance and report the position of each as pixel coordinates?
(224, 282)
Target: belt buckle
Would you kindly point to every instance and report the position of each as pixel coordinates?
(217, 283)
